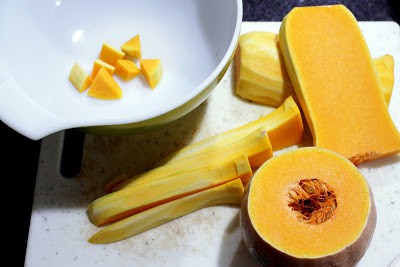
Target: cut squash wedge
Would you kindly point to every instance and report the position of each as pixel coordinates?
(333, 75)
(384, 67)
(104, 86)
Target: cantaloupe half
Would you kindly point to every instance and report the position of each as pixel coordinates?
(308, 207)
(333, 75)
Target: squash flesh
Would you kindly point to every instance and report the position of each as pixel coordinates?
(334, 78)
(275, 234)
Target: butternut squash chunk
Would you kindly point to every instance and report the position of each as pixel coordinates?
(152, 71)
(110, 54)
(256, 146)
(104, 86)
(226, 194)
(79, 78)
(384, 67)
(308, 207)
(123, 203)
(332, 72)
(126, 69)
(284, 126)
(98, 64)
(132, 47)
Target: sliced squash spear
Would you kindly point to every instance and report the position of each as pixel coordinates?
(227, 193)
(134, 199)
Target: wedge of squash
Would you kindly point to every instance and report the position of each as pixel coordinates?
(332, 72)
(132, 200)
(104, 86)
(152, 71)
(110, 54)
(79, 78)
(308, 207)
(256, 146)
(226, 194)
(132, 47)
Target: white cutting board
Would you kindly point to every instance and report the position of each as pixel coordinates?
(60, 228)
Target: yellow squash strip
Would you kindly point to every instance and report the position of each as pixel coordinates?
(126, 69)
(110, 54)
(98, 64)
(104, 86)
(384, 67)
(284, 126)
(129, 201)
(79, 78)
(331, 69)
(255, 145)
(132, 47)
(226, 194)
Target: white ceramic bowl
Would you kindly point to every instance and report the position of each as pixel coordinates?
(40, 41)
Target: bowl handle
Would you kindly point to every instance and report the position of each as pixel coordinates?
(22, 114)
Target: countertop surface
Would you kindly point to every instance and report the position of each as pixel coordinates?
(20, 159)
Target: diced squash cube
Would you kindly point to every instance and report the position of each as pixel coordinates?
(79, 78)
(98, 64)
(152, 71)
(132, 47)
(110, 54)
(126, 69)
(104, 86)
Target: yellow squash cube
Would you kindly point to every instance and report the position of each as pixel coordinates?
(110, 54)
(152, 71)
(79, 78)
(98, 64)
(132, 47)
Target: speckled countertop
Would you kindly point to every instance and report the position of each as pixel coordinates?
(24, 152)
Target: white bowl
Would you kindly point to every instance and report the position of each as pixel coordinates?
(40, 41)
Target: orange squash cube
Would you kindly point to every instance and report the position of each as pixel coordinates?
(126, 69)
(104, 86)
(152, 71)
(110, 54)
(98, 64)
(132, 47)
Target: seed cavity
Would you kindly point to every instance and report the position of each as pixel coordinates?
(313, 200)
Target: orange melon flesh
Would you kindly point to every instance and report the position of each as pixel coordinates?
(266, 204)
(332, 72)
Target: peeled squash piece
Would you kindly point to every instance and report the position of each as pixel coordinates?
(79, 78)
(308, 207)
(384, 67)
(104, 86)
(229, 193)
(152, 71)
(134, 199)
(333, 75)
(284, 127)
(260, 73)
